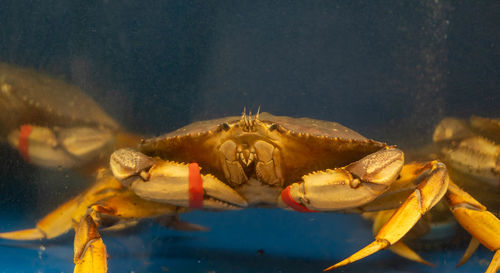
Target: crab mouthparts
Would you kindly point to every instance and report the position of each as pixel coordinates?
(246, 157)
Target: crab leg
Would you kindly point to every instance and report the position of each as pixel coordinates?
(399, 189)
(382, 208)
(54, 224)
(61, 219)
(90, 252)
(89, 249)
(427, 194)
(480, 223)
(107, 198)
(400, 248)
(106, 193)
(471, 248)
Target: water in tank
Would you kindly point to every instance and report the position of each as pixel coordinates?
(90, 86)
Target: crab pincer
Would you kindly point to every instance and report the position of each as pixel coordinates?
(347, 187)
(171, 182)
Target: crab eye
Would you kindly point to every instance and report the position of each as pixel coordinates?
(273, 127)
(225, 126)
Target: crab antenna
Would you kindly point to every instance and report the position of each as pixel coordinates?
(243, 116)
(247, 120)
(258, 112)
(244, 119)
(250, 121)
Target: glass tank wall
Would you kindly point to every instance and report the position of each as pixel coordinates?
(390, 70)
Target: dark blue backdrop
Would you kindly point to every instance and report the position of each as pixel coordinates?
(389, 69)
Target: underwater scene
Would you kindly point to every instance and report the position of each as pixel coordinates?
(249, 136)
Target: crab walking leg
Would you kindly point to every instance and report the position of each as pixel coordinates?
(495, 263)
(471, 248)
(399, 190)
(480, 223)
(61, 219)
(90, 252)
(427, 194)
(128, 205)
(52, 225)
(399, 247)
(107, 194)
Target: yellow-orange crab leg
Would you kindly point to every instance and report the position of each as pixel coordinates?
(130, 206)
(54, 224)
(427, 194)
(402, 187)
(107, 195)
(399, 247)
(90, 252)
(494, 264)
(61, 219)
(398, 190)
(471, 248)
(479, 222)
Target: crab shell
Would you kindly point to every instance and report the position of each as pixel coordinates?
(50, 122)
(30, 97)
(299, 146)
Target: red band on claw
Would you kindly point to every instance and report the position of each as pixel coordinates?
(287, 199)
(23, 141)
(195, 187)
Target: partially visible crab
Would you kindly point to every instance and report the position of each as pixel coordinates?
(268, 161)
(471, 147)
(471, 150)
(53, 123)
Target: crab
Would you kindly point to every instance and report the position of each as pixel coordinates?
(233, 163)
(470, 150)
(54, 124)
(471, 147)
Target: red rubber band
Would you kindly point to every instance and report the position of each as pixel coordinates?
(287, 199)
(23, 141)
(195, 187)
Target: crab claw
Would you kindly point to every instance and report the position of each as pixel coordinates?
(173, 183)
(127, 163)
(356, 184)
(60, 147)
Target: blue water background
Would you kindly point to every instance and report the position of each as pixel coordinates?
(388, 69)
